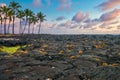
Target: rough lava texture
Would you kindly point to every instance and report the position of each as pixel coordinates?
(61, 57)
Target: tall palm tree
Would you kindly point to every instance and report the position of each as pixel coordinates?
(28, 14)
(41, 18)
(10, 15)
(14, 7)
(29, 24)
(5, 11)
(0, 23)
(30, 20)
(34, 21)
(20, 15)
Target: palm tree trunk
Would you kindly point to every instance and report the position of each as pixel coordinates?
(25, 26)
(39, 27)
(33, 29)
(8, 27)
(13, 25)
(5, 27)
(29, 29)
(1, 27)
(20, 29)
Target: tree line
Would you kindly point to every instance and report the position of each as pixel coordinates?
(8, 15)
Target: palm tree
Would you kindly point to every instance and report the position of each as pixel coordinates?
(10, 14)
(28, 14)
(29, 24)
(5, 11)
(34, 21)
(30, 20)
(41, 18)
(14, 7)
(0, 22)
(20, 15)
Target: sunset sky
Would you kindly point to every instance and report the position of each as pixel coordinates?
(75, 16)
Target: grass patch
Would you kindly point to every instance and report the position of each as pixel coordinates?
(10, 50)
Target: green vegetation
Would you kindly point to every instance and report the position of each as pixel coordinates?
(10, 50)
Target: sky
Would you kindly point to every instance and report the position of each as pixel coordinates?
(74, 16)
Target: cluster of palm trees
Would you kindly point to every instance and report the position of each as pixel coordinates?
(8, 15)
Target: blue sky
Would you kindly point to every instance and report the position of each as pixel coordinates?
(50, 9)
(85, 15)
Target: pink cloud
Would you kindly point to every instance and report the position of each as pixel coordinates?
(109, 4)
(65, 5)
(118, 27)
(80, 16)
(37, 3)
(66, 24)
(2, 4)
(110, 15)
(109, 25)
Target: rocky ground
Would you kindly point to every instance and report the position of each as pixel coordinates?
(61, 57)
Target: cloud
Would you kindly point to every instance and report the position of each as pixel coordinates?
(107, 22)
(65, 24)
(48, 2)
(114, 22)
(118, 27)
(2, 4)
(46, 25)
(70, 27)
(64, 5)
(80, 16)
(110, 15)
(37, 3)
(60, 18)
(91, 20)
(90, 25)
(104, 25)
(68, 24)
(109, 4)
